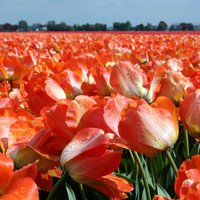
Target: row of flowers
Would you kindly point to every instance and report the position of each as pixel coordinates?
(82, 104)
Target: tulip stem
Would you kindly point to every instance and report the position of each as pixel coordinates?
(134, 156)
(185, 133)
(171, 161)
(83, 197)
(154, 170)
(57, 186)
(11, 86)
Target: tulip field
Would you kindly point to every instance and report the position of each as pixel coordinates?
(102, 115)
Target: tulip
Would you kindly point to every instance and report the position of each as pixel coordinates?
(187, 184)
(150, 129)
(17, 185)
(130, 81)
(11, 68)
(190, 113)
(89, 161)
(176, 85)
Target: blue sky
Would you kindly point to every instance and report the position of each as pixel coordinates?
(102, 11)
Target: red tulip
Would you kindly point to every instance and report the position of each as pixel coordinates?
(18, 184)
(187, 184)
(89, 161)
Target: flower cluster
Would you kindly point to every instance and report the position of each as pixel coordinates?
(86, 104)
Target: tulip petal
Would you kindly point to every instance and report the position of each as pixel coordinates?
(23, 188)
(6, 169)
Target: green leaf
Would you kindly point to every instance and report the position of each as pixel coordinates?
(195, 150)
(162, 191)
(70, 192)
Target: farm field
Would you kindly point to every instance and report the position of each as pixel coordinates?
(100, 115)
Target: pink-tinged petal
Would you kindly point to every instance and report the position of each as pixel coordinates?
(77, 109)
(23, 188)
(190, 113)
(181, 175)
(113, 109)
(187, 183)
(148, 130)
(128, 80)
(176, 85)
(102, 78)
(156, 83)
(84, 140)
(6, 169)
(193, 174)
(54, 90)
(167, 104)
(175, 64)
(193, 191)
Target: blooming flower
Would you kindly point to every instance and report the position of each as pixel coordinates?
(18, 184)
(89, 161)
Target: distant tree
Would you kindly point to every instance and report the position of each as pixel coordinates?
(128, 26)
(1, 27)
(51, 25)
(23, 25)
(116, 26)
(162, 26)
(139, 27)
(147, 27)
(61, 27)
(88, 27)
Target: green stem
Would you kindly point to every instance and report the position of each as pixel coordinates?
(187, 152)
(154, 169)
(10, 86)
(146, 185)
(57, 186)
(82, 192)
(171, 161)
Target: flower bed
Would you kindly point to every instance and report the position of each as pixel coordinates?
(99, 115)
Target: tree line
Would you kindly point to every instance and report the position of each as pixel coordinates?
(117, 26)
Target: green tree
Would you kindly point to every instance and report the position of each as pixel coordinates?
(162, 26)
(61, 27)
(116, 26)
(23, 25)
(128, 26)
(51, 25)
(1, 27)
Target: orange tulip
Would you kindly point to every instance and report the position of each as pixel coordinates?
(150, 129)
(159, 197)
(11, 68)
(43, 90)
(187, 184)
(18, 184)
(176, 85)
(190, 113)
(130, 81)
(89, 161)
